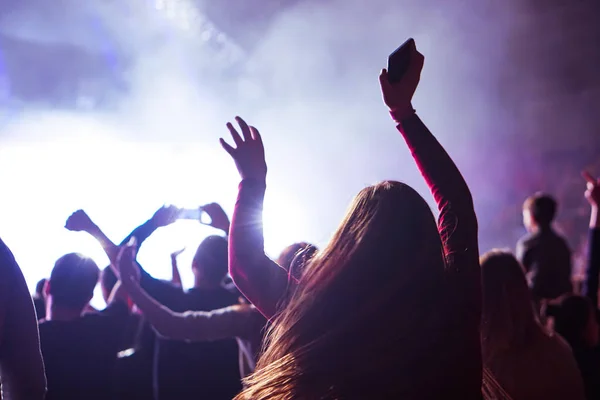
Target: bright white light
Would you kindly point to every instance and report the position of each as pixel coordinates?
(120, 184)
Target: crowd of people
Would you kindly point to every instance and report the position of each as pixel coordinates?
(394, 306)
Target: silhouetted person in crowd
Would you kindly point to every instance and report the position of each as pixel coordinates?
(21, 366)
(576, 319)
(295, 257)
(241, 321)
(527, 361)
(38, 299)
(80, 349)
(187, 370)
(544, 254)
(390, 308)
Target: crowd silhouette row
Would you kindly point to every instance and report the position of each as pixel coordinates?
(395, 306)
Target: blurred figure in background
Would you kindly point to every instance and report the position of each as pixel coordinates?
(390, 308)
(186, 370)
(525, 360)
(80, 350)
(577, 317)
(544, 254)
(21, 366)
(39, 300)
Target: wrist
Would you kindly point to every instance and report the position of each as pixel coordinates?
(400, 113)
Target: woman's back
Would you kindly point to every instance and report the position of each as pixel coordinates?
(546, 369)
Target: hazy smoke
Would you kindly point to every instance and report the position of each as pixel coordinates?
(309, 84)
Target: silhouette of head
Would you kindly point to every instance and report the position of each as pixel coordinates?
(210, 263)
(539, 211)
(39, 287)
(295, 257)
(508, 319)
(72, 282)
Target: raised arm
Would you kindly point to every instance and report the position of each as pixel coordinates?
(592, 194)
(175, 276)
(164, 291)
(80, 221)
(235, 321)
(457, 221)
(260, 279)
(21, 364)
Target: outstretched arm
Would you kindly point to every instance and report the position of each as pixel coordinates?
(260, 279)
(229, 322)
(457, 221)
(79, 221)
(593, 268)
(21, 364)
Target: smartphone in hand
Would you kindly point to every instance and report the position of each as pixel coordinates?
(196, 214)
(399, 61)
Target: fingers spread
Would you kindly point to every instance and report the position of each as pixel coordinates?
(227, 147)
(255, 134)
(245, 128)
(235, 135)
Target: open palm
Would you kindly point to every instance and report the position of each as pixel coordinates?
(248, 153)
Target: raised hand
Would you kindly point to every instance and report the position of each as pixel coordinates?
(79, 221)
(177, 253)
(398, 96)
(592, 193)
(165, 215)
(248, 153)
(218, 218)
(129, 272)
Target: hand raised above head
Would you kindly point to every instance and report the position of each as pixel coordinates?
(592, 193)
(218, 218)
(165, 215)
(398, 96)
(176, 254)
(79, 221)
(248, 153)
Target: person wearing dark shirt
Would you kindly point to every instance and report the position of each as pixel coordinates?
(544, 254)
(391, 307)
(188, 370)
(21, 365)
(577, 316)
(80, 350)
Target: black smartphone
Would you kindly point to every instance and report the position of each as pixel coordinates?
(399, 60)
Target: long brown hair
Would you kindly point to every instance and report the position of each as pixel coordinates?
(354, 326)
(508, 321)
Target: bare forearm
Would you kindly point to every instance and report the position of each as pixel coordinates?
(594, 218)
(165, 321)
(109, 247)
(175, 276)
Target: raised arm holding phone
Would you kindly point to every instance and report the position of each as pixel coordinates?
(390, 308)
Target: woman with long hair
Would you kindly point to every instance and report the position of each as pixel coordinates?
(390, 308)
(527, 361)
